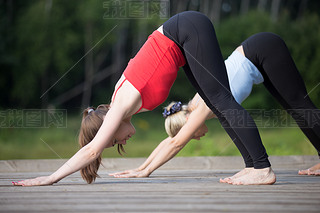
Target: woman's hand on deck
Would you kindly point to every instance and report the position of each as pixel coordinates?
(133, 173)
(39, 181)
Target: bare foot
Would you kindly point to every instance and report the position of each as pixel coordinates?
(314, 170)
(238, 174)
(256, 177)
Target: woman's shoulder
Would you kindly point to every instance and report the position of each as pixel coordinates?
(197, 103)
(194, 102)
(126, 96)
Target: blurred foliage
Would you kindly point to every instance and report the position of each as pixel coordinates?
(42, 47)
(43, 52)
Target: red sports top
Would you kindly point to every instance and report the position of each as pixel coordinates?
(154, 69)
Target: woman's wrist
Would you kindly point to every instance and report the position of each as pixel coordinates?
(54, 178)
(140, 168)
(147, 171)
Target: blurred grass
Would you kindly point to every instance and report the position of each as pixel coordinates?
(51, 143)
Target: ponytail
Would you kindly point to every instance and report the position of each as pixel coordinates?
(91, 122)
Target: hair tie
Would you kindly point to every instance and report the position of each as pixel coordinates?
(90, 110)
(173, 109)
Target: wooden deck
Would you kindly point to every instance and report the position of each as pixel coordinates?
(167, 190)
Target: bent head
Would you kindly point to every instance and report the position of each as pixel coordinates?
(176, 119)
(91, 122)
(124, 133)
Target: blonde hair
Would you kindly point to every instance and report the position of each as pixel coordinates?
(175, 121)
(92, 120)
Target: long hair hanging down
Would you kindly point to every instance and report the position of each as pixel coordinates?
(92, 120)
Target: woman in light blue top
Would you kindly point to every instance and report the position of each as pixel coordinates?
(242, 74)
(262, 58)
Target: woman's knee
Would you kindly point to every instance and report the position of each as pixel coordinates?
(226, 105)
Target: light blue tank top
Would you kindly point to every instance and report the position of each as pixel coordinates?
(242, 74)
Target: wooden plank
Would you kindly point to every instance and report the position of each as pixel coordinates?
(177, 163)
(164, 191)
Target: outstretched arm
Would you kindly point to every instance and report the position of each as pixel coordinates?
(155, 152)
(126, 103)
(169, 147)
(140, 172)
(84, 156)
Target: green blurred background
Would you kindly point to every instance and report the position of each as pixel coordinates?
(67, 55)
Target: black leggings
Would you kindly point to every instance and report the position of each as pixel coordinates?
(194, 33)
(269, 53)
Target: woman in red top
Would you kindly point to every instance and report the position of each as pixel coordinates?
(187, 39)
